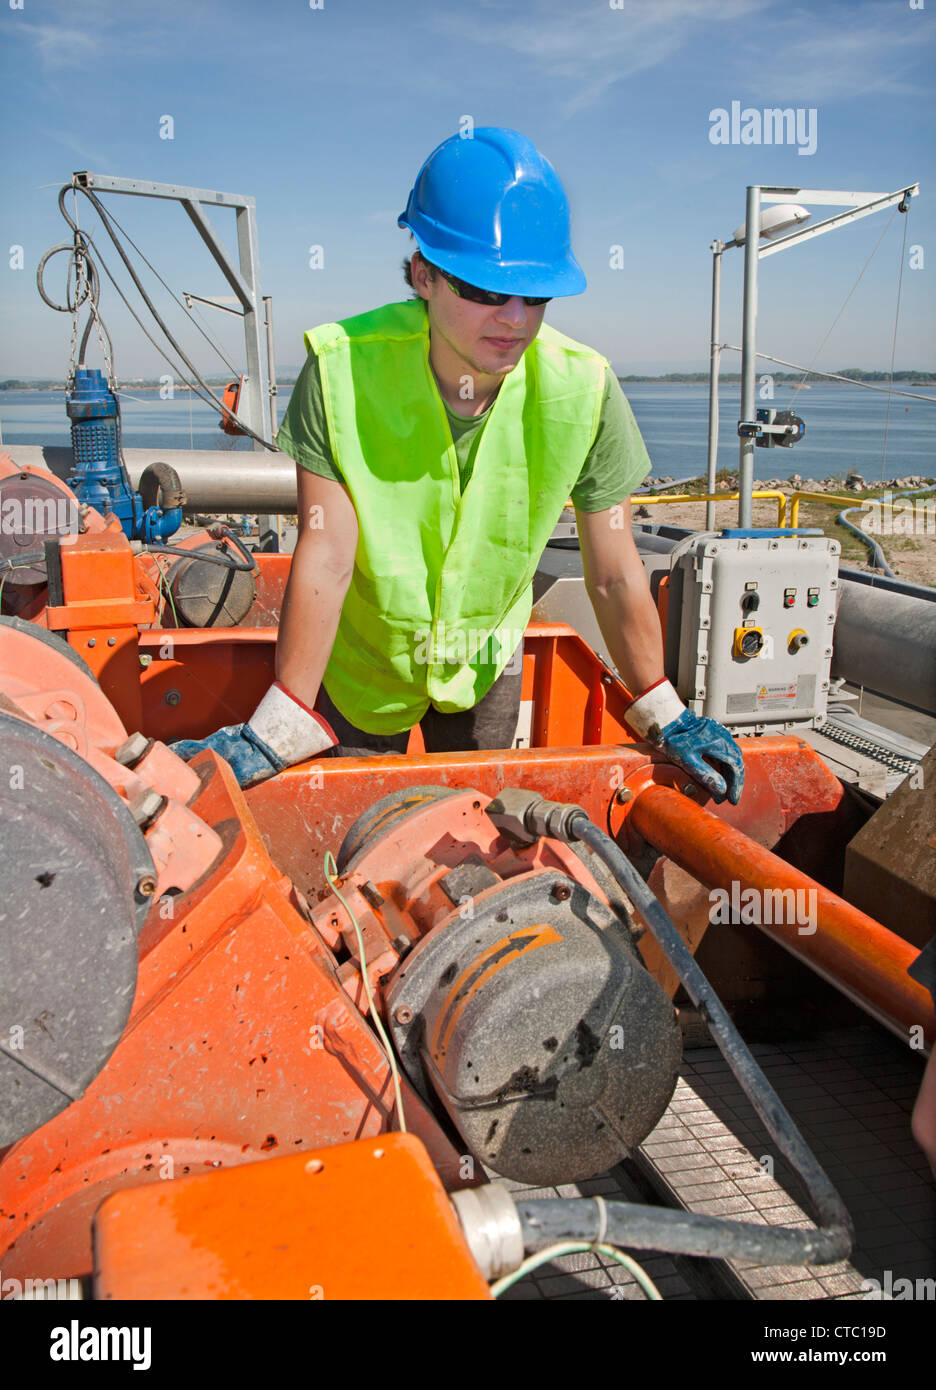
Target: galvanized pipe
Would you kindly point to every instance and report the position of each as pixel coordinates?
(849, 949)
(749, 351)
(215, 480)
(887, 643)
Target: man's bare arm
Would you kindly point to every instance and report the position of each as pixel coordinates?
(319, 576)
(616, 584)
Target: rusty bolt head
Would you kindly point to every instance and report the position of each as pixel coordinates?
(688, 789)
(172, 697)
(624, 794)
(146, 886)
(562, 891)
(403, 1013)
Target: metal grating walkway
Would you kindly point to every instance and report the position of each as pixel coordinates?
(851, 1092)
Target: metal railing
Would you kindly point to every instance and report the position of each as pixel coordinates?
(779, 497)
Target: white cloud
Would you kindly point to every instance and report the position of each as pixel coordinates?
(832, 51)
(591, 47)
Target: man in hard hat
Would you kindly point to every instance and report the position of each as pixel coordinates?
(437, 442)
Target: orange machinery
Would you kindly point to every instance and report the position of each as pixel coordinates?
(221, 1019)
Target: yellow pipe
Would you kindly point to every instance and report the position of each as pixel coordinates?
(717, 497)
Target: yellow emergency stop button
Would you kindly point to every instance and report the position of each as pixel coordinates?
(748, 642)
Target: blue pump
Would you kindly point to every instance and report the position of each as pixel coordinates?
(100, 477)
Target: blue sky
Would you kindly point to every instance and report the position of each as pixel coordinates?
(324, 115)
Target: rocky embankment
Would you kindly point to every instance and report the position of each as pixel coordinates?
(906, 531)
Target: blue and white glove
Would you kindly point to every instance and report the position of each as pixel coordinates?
(703, 747)
(280, 732)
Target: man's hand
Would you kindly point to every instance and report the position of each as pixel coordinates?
(282, 731)
(703, 747)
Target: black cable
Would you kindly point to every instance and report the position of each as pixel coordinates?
(689, 1233)
(833, 1240)
(195, 324)
(105, 220)
(227, 534)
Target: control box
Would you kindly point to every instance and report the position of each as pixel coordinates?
(754, 613)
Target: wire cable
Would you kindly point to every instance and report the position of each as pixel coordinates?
(168, 288)
(903, 252)
(331, 869)
(574, 1247)
(808, 371)
(105, 221)
(834, 376)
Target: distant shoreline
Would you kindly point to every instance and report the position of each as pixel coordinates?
(793, 379)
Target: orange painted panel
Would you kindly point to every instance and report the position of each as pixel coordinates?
(368, 1220)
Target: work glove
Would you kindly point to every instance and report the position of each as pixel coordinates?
(280, 732)
(699, 746)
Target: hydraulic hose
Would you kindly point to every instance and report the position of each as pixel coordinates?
(217, 533)
(878, 558)
(638, 1227)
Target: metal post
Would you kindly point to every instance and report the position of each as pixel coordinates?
(714, 363)
(256, 383)
(271, 362)
(748, 351)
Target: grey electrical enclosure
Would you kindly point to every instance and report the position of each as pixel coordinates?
(755, 619)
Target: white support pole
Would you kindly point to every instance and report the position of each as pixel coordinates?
(714, 363)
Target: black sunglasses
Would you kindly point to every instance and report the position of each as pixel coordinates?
(490, 297)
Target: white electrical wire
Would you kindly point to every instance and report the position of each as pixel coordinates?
(569, 1247)
(331, 869)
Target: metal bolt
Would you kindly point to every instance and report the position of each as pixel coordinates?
(145, 660)
(623, 795)
(688, 788)
(146, 807)
(92, 641)
(172, 697)
(132, 750)
(562, 891)
(403, 1013)
(146, 886)
(112, 641)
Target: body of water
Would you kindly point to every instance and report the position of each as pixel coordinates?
(845, 428)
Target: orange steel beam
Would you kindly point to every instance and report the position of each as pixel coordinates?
(849, 949)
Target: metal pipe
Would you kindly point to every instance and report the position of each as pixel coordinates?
(886, 642)
(846, 947)
(271, 362)
(215, 480)
(749, 350)
(714, 363)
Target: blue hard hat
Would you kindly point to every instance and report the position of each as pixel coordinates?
(490, 209)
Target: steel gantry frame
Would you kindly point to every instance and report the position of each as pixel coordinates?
(243, 278)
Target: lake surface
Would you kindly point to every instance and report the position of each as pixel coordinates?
(845, 428)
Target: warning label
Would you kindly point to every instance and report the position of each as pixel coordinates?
(775, 702)
(775, 696)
